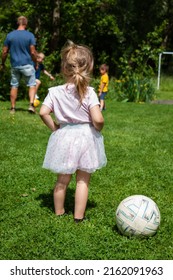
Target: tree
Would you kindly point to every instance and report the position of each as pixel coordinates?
(55, 25)
(112, 28)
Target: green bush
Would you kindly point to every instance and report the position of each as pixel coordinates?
(134, 89)
(131, 88)
(5, 85)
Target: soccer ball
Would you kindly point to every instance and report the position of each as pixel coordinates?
(36, 102)
(137, 215)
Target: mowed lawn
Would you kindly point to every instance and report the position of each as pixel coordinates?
(139, 147)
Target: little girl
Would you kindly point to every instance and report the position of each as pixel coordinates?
(76, 144)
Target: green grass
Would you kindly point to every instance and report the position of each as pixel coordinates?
(138, 142)
(166, 88)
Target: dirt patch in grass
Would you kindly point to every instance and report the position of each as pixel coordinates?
(169, 102)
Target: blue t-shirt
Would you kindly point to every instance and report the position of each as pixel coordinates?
(38, 70)
(19, 42)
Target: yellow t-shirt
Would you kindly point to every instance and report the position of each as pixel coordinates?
(105, 80)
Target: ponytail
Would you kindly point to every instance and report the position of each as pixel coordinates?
(77, 65)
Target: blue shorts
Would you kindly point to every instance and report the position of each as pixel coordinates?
(26, 71)
(102, 96)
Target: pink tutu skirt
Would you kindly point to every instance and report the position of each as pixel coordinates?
(75, 146)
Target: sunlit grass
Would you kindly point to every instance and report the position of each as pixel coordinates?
(138, 142)
(165, 91)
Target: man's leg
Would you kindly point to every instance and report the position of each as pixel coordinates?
(32, 91)
(13, 96)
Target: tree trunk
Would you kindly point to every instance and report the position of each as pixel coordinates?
(55, 25)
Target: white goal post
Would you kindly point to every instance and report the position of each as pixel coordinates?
(159, 67)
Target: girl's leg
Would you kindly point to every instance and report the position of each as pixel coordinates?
(60, 193)
(81, 195)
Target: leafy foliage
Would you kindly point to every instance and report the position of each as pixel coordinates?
(134, 89)
(112, 29)
(116, 30)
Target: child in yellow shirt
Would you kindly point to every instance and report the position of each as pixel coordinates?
(103, 87)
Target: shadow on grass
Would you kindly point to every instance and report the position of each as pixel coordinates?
(47, 201)
(115, 229)
(19, 109)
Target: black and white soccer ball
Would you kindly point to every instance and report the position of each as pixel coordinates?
(138, 215)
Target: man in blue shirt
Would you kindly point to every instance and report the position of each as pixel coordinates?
(21, 45)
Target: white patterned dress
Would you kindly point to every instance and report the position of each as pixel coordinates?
(76, 144)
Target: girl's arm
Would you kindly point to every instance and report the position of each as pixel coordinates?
(47, 119)
(97, 117)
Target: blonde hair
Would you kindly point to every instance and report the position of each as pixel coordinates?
(41, 55)
(22, 20)
(104, 67)
(76, 65)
